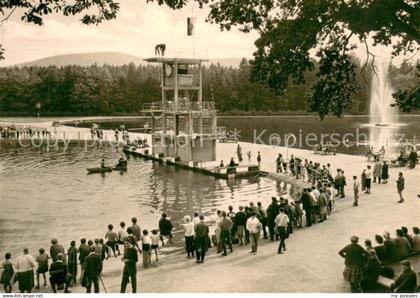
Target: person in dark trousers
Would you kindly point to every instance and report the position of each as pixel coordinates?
(234, 229)
(240, 220)
(72, 253)
(58, 274)
(263, 219)
(407, 281)
(355, 258)
(371, 273)
(165, 228)
(400, 186)
(307, 206)
(130, 270)
(225, 226)
(42, 260)
(83, 253)
(272, 212)
(135, 228)
(201, 235)
(93, 269)
(259, 158)
(282, 221)
(7, 274)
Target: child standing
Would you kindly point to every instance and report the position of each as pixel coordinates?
(146, 245)
(155, 242)
(8, 273)
(42, 260)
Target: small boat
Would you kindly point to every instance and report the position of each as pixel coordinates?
(99, 170)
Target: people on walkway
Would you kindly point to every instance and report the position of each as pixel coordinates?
(59, 274)
(25, 265)
(254, 227)
(72, 262)
(282, 222)
(130, 260)
(377, 171)
(384, 173)
(240, 219)
(225, 225)
(355, 257)
(201, 231)
(93, 269)
(111, 243)
(188, 235)
(42, 268)
(135, 228)
(8, 273)
(272, 212)
(165, 228)
(356, 187)
(368, 174)
(146, 248)
(400, 186)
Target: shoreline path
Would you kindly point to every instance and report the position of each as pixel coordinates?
(311, 263)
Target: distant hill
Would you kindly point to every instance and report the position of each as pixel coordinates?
(110, 58)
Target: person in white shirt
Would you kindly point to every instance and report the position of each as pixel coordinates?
(282, 221)
(189, 235)
(254, 226)
(122, 234)
(368, 173)
(356, 187)
(25, 265)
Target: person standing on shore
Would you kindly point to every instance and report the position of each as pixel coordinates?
(189, 236)
(225, 225)
(368, 173)
(130, 270)
(363, 180)
(240, 220)
(201, 231)
(122, 234)
(307, 206)
(165, 228)
(262, 218)
(272, 212)
(356, 186)
(25, 265)
(377, 171)
(93, 269)
(355, 257)
(282, 221)
(146, 248)
(254, 227)
(55, 249)
(400, 186)
(42, 260)
(111, 243)
(8, 273)
(135, 228)
(384, 173)
(58, 275)
(72, 264)
(83, 253)
(259, 159)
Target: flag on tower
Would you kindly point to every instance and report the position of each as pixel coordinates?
(190, 26)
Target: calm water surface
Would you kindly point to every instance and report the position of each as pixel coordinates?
(49, 194)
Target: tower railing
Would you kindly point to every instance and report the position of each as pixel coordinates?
(181, 107)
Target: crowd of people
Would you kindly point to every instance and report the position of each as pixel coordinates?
(363, 266)
(26, 132)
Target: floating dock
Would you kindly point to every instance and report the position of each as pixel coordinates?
(246, 171)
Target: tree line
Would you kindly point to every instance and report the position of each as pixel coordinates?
(108, 90)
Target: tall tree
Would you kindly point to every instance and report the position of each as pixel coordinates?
(290, 30)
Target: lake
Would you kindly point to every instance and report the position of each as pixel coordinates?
(47, 193)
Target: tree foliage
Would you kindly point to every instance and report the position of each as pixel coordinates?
(290, 30)
(100, 90)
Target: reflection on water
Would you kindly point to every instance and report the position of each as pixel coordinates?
(46, 194)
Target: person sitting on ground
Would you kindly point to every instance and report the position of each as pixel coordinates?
(407, 281)
(402, 244)
(406, 235)
(390, 247)
(165, 228)
(380, 249)
(371, 272)
(58, 274)
(416, 239)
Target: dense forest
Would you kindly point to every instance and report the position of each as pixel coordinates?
(107, 90)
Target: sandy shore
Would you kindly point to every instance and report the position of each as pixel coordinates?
(311, 263)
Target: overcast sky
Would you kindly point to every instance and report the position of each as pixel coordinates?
(137, 29)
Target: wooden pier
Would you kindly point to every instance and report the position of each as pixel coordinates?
(218, 172)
